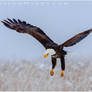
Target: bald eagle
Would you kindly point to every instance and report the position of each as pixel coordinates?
(52, 48)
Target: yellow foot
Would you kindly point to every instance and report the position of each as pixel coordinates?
(62, 73)
(51, 72)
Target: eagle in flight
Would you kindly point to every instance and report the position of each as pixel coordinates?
(52, 48)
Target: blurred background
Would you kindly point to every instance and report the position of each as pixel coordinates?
(59, 20)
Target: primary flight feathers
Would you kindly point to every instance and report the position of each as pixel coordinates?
(77, 38)
(23, 27)
(36, 32)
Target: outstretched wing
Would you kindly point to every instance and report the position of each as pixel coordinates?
(23, 27)
(77, 38)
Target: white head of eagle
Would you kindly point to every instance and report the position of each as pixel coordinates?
(49, 52)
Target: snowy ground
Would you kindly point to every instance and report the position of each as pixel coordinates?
(25, 75)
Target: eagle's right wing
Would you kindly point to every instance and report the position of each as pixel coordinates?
(23, 27)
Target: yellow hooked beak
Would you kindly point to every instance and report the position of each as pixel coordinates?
(45, 55)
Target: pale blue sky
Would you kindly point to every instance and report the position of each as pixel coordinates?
(59, 22)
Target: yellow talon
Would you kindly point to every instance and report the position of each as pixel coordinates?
(62, 73)
(51, 72)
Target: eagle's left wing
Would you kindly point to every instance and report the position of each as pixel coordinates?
(77, 38)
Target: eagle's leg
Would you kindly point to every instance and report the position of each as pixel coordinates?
(53, 66)
(62, 65)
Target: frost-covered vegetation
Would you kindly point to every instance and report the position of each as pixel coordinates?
(27, 75)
